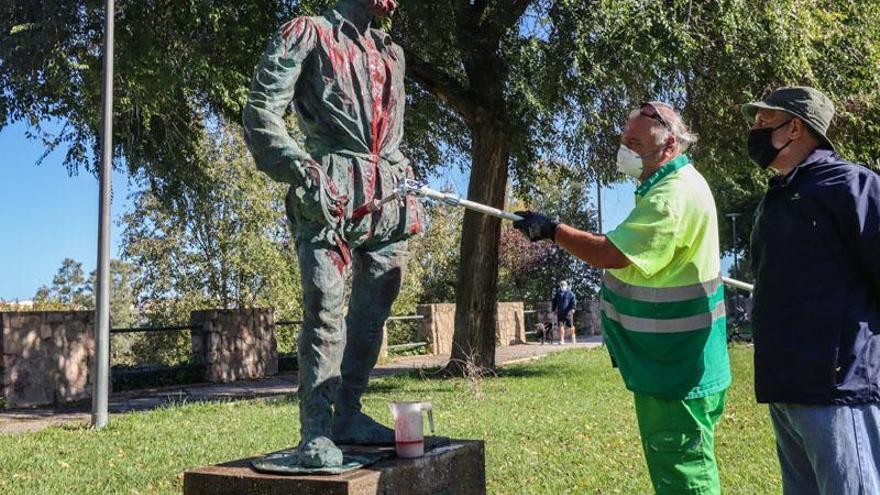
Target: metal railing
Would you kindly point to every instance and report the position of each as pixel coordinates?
(396, 347)
(174, 328)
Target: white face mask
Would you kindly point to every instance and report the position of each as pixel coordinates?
(629, 162)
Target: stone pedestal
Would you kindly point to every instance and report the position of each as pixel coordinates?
(455, 469)
(235, 344)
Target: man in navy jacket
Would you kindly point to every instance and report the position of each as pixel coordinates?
(816, 259)
(564, 304)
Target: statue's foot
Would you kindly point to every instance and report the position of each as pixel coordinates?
(319, 452)
(359, 429)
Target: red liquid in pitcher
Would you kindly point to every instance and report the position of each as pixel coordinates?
(410, 448)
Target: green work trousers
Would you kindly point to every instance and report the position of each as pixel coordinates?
(678, 437)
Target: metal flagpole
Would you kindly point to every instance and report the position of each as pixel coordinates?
(101, 368)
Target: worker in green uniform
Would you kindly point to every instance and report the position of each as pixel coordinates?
(662, 300)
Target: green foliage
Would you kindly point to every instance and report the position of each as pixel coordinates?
(531, 271)
(223, 243)
(707, 58)
(574, 68)
(174, 61)
(68, 291)
(563, 424)
(435, 255)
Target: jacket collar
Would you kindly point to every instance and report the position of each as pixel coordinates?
(342, 25)
(818, 156)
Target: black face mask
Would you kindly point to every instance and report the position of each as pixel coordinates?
(760, 145)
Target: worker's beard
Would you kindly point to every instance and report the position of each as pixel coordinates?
(383, 8)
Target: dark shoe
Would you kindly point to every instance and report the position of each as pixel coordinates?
(357, 428)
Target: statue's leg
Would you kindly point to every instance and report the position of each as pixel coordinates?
(320, 350)
(377, 277)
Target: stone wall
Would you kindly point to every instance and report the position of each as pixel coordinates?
(46, 356)
(510, 326)
(438, 325)
(235, 344)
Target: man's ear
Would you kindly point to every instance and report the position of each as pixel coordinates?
(798, 128)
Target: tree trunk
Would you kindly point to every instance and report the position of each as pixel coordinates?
(473, 343)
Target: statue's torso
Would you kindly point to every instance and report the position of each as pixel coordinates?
(350, 103)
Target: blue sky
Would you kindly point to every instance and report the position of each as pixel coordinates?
(49, 216)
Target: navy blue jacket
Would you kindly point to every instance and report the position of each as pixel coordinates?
(563, 301)
(816, 261)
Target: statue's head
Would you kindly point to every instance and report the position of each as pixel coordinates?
(382, 8)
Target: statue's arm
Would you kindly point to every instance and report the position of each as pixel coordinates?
(272, 90)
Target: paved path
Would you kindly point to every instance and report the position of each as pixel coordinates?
(29, 420)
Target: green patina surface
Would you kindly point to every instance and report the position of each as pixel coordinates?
(347, 89)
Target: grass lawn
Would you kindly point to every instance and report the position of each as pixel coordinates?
(563, 424)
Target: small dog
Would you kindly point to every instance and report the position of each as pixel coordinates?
(544, 331)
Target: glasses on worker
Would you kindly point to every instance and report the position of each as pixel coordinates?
(649, 110)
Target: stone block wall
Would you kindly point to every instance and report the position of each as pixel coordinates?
(438, 325)
(46, 356)
(510, 323)
(235, 344)
(586, 318)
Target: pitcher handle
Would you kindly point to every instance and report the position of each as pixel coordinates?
(426, 406)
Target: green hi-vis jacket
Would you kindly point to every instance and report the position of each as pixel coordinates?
(663, 315)
(347, 90)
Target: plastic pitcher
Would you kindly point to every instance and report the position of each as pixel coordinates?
(409, 438)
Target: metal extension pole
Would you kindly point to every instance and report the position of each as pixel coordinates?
(101, 369)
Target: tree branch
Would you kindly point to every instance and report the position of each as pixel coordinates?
(442, 85)
(502, 18)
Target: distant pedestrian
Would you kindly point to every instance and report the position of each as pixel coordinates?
(564, 303)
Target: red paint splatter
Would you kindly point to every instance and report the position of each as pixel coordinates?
(342, 257)
(295, 27)
(416, 226)
(361, 211)
(338, 58)
(337, 260)
(379, 90)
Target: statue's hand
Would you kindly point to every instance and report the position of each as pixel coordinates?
(318, 196)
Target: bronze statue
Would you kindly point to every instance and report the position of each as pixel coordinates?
(345, 80)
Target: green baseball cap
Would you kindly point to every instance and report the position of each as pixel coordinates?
(806, 103)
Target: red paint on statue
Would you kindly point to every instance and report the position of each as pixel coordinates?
(336, 54)
(342, 257)
(294, 28)
(378, 73)
(361, 211)
(416, 226)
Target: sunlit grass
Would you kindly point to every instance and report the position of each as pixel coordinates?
(563, 424)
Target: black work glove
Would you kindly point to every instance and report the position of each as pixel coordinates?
(536, 226)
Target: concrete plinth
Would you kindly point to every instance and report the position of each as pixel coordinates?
(456, 469)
